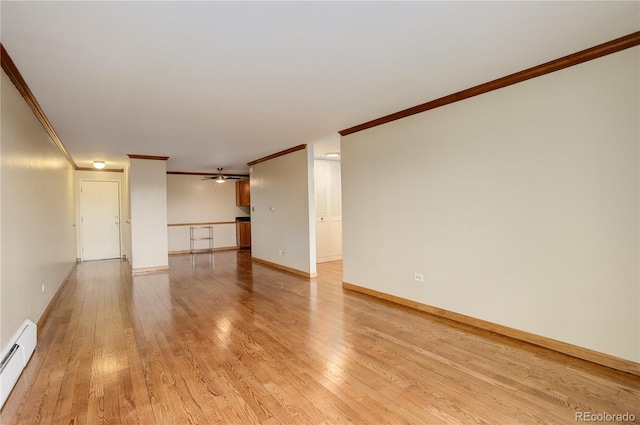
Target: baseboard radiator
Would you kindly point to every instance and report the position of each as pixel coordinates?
(15, 357)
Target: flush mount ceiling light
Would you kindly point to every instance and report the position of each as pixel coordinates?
(332, 154)
(99, 164)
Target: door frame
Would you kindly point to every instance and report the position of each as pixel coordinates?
(79, 220)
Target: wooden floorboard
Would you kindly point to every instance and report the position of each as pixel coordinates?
(237, 342)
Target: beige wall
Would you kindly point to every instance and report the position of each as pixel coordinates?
(148, 205)
(38, 237)
(282, 211)
(193, 200)
(520, 206)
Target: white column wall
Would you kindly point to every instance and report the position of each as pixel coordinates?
(282, 211)
(148, 203)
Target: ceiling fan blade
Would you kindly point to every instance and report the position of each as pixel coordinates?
(230, 176)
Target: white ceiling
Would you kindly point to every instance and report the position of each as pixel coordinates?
(218, 84)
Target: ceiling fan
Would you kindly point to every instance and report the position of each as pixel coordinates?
(221, 178)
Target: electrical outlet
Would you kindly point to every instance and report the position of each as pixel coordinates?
(418, 277)
(43, 288)
(280, 252)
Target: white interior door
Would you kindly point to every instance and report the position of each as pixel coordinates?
(328, 199)
(100, 219)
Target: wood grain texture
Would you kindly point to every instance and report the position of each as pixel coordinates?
(49, 307)
(243, 234)
(243, 193)
(562, 347)
(595, 52)
(11, 70)
(240, 343)
(157, 158)
(277, 154)
(284, 268)
(144, 270)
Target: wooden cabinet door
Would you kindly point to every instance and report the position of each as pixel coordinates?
(243, 234)
(243, 193)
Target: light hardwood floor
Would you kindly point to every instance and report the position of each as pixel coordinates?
(241, 343)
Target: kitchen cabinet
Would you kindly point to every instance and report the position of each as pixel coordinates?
(243, 193)
(243, 234)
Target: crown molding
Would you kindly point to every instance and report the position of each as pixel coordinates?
(14, 75)
(158, 158)
(277, 154)
(190, 173)
(595, 52)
